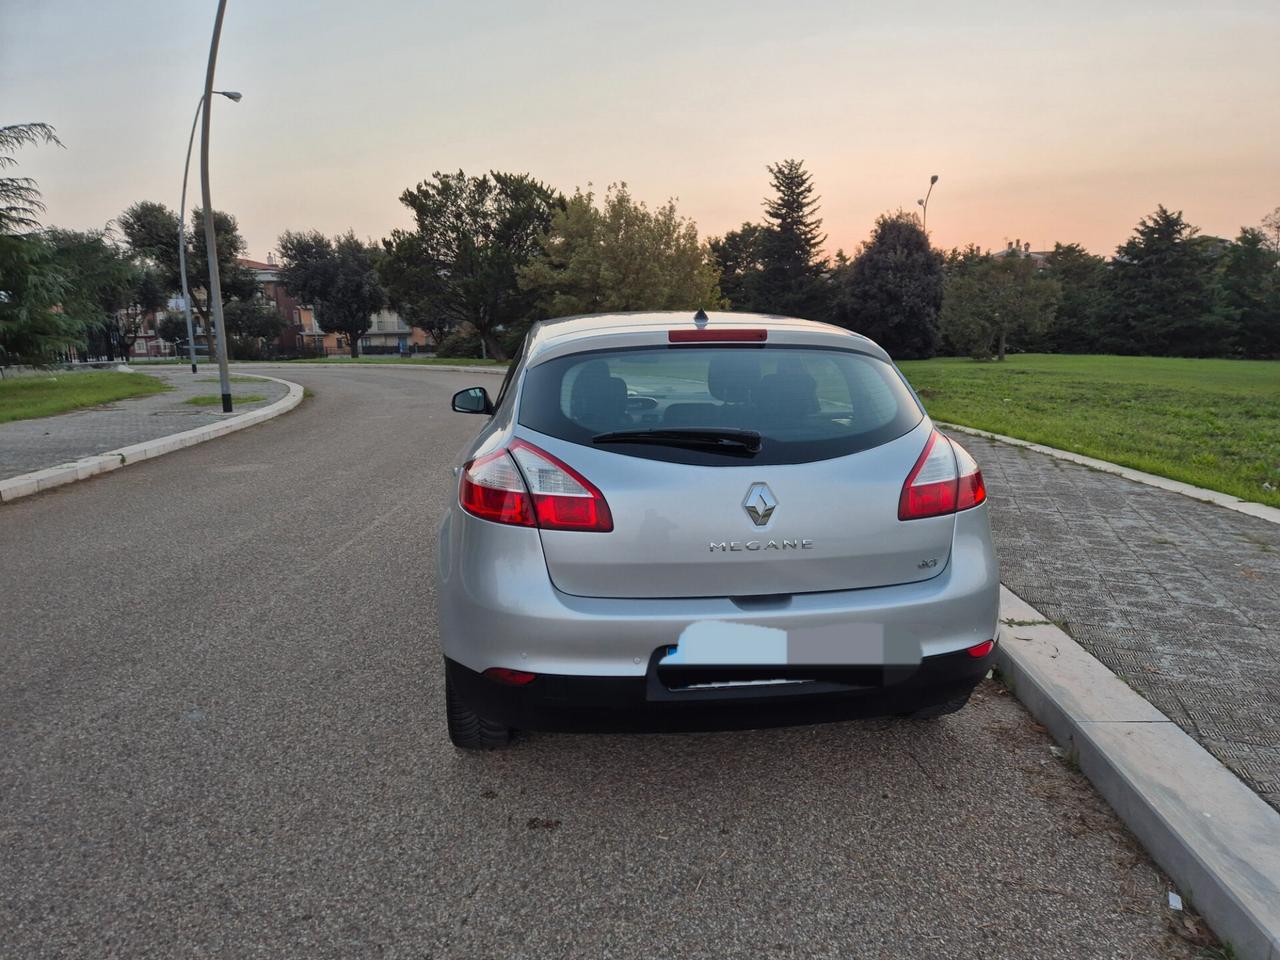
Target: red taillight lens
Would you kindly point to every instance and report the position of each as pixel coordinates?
(972, 490)
(979, 650)
(723, 335)
(930, 490)
(512, 678)
(541, 491)
(492, 490)
(944, 480)
(563, 499)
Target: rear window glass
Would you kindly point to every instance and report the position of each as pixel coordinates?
(806, 403)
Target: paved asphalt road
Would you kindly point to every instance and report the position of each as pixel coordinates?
(222, 735)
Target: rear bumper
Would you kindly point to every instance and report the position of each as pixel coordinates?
(558, 702)
(499, 608)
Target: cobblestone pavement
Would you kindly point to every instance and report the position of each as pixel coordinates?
(1178, 597)
(27, 445)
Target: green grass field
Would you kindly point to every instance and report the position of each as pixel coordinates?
(215, 399)
(23, 398)
(1212, 423)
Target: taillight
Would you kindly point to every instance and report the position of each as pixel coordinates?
(541, 491)
(972, 490)
(979, 650)
(945, 479)
(492, 490)
(718, 335)
(512, 678)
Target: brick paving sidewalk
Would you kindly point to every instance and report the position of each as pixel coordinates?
(1178, 597)
(28, 445)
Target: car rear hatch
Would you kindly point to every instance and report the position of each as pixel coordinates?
(814, 508)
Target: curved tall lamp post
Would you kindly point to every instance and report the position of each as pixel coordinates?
(924, 204)
(234, 97)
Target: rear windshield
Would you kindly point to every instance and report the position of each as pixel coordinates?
(806, 403)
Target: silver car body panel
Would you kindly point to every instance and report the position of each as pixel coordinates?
(600, 604)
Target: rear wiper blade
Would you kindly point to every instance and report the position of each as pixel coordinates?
(727, 440)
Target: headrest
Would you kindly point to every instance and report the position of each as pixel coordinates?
(732, 376)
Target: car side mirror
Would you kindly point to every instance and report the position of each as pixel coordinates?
(472, 400)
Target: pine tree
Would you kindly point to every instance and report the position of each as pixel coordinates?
(792, 276)
(1163, 292)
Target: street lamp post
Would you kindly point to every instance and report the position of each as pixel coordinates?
(234, 97)
(210, 235)
(924, 204)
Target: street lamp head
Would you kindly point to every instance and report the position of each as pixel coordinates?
(920, 203)
(235, 95)
(932, 180)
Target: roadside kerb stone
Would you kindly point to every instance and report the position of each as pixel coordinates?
(1214, 836)
(38, 481)
(1259, 510)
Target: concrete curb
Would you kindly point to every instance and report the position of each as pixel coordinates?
(1259, 510)
(1217, 839)
(27, 484)
(463, 368)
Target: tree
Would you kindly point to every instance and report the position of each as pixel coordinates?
(20, 201)
(338, 278)
(472, 237)
(151, 231)
(989, 301)
(100, 284)
(1163, 293)
(1271, 226)
(619, 256)
(892, 291)
(1251, 294)
(33, 329)
(146, 298)
(792, 268)
(249, 323)
(1085, 307)
(740, 258)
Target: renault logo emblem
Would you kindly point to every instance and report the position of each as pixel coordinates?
(759, 504)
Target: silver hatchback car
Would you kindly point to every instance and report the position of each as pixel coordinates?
(683, 521)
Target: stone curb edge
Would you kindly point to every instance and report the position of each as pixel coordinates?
(1217, 839)
(495, 370)
(27, 484)
(1259, 510)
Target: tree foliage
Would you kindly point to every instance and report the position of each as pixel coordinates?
(1085, 308)
(33, 329)
(338, 278)
(1163, 292)
(990, 302)
(20, 201)
(1250, 300)
(892, 291)
(792, 265)
(472, 237)
(151, 231)
(619, 255)
(739, 256)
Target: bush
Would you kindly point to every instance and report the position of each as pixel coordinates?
(459, 344)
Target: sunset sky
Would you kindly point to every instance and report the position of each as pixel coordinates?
(1044, 121)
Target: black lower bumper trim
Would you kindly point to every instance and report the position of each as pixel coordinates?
(718, 699)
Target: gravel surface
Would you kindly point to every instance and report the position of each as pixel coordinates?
(225, 738)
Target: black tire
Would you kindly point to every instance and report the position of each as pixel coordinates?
(936, 710)
(467, 729)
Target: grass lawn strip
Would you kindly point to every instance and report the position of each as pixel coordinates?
(25, 398)
(214, 399)
(1211, 423)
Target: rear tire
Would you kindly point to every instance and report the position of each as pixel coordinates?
(936, 710)
(467, 729)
